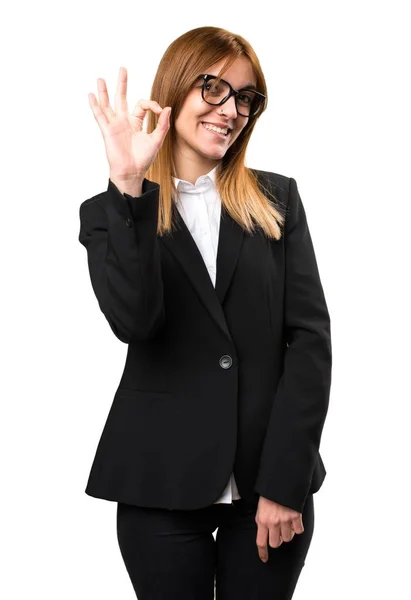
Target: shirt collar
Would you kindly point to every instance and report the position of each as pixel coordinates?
(203, 183)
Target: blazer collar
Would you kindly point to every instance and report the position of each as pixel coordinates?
(184, 249)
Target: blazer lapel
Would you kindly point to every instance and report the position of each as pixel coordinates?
(183, 247)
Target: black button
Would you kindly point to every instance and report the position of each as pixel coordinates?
(128, 222)
(226, 361)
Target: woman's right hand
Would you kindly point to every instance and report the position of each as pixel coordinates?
(130, 151)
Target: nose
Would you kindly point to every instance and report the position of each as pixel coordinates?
(229, 108)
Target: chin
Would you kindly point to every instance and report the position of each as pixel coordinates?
(212, 152)
(212, 156)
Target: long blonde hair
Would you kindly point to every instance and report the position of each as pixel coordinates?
(239, 189)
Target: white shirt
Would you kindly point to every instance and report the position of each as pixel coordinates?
(200, 207)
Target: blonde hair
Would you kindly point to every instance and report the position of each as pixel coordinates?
(239, 188)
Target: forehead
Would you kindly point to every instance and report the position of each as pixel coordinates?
(240, 74)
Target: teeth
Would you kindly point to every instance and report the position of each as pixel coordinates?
(213, 128)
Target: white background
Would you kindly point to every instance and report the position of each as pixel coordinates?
(338, 121)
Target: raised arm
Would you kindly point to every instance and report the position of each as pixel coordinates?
(119, 233)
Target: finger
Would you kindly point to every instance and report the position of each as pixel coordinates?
(142, 106)
(261, 541)
(98, 113)
(297, 524)
(103, 99)
(163, 125)
(121, 92)
(287, 533)
(275, 536)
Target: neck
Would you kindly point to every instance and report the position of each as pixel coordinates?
(191, 170)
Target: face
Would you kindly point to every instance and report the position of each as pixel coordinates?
(197, 149)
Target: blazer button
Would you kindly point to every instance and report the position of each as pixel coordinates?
(226, 361)
(128, 222)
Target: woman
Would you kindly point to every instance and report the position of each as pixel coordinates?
(206, 269)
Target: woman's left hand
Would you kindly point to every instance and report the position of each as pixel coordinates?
(276, 524)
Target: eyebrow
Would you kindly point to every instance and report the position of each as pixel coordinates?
(249, 86)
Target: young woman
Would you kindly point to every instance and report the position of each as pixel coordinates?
(206, 269)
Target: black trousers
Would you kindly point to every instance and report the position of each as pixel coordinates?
(172, 554)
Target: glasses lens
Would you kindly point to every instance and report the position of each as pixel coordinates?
(248, 102)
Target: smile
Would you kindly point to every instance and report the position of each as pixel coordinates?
(216, 133)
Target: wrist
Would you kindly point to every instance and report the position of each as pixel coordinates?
(129, 185)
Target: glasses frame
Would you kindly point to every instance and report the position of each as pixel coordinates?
(232, 92)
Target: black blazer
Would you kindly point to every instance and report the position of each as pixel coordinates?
(235, 377)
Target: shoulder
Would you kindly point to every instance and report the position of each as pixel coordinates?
(275, 184)
(276, 179)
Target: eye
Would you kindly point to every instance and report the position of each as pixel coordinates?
(246, 98)
(215, 89)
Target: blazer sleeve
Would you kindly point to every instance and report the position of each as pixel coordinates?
(291, 445)
(119, 233)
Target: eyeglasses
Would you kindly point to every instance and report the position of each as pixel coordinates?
(248, 101)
